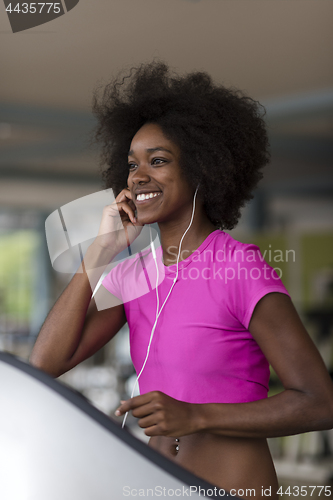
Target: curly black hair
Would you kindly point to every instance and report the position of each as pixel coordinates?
(220, 132)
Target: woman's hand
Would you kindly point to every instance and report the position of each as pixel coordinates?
(161, 415)
(119, 227)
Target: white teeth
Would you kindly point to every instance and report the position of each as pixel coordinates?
(146, 196)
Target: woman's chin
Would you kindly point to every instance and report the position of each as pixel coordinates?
(146, 218)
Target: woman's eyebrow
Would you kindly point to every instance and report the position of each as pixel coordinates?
(152, 150)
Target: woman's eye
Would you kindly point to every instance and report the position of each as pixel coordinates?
(154, 161)
(157, 161)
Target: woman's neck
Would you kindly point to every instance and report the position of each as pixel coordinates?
(172, 232)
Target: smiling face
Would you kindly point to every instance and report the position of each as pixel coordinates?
(159, 189)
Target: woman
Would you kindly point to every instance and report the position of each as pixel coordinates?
(187, 154)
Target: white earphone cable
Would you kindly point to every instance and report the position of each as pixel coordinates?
(158, 312)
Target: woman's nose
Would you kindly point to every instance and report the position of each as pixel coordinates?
(140, 175)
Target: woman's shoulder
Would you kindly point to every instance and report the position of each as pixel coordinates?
(132, 277)
(234, 250)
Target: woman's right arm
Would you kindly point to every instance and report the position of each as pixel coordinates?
(75, 329)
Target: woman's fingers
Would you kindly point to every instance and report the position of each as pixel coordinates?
(125, 203)
(133, 403)
(124, 193)
(119, 226)
(162, 415)
(145, 409)
(153, 409)
(125, 207)
(150, 422)
(124, 196)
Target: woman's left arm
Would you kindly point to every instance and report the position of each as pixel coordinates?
(306, 404)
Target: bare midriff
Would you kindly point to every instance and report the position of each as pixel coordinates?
(241, 464)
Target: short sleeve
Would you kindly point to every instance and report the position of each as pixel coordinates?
(132, 277)
(249, 278)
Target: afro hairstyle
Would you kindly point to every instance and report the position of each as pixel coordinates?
(221, 133)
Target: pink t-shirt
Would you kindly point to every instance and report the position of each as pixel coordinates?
(202, 351)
